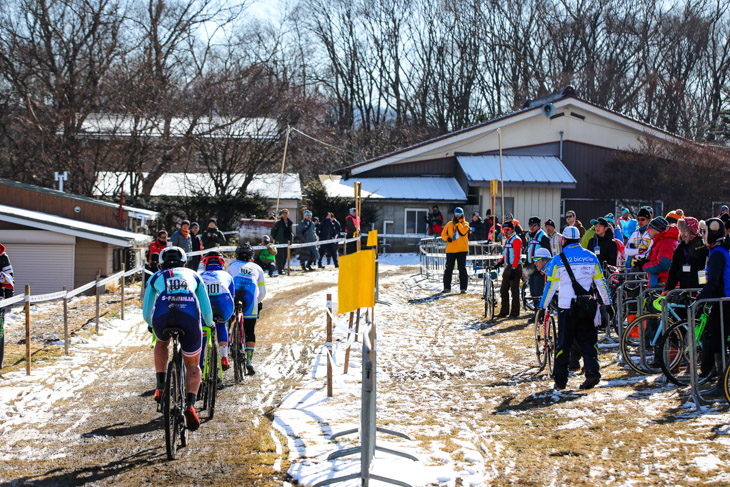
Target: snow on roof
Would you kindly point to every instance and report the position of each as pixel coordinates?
(119, 125)
(67, 226)
(431, 188)
(189, 184)
(519, 170)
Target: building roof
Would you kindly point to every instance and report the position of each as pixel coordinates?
(120, 125)
(66, 226)
(133, 212)
(190, 183)
(416, 188)
(530, 109)
(532, 171)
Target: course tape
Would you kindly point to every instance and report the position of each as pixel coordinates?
(40, 298)
(81, 289)
(133, 271)
(11, 301)
(109, 279)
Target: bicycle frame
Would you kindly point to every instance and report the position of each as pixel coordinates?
(691, 322)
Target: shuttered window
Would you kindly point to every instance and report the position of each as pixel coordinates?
(47, 268)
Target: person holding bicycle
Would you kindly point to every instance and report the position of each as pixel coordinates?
(250, 289)
(573, 272)
(221, 290)
(512, 259)
(176, 298)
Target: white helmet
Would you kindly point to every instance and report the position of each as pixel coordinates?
(172, 257)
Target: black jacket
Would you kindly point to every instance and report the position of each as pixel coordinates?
(608, 248)
(211, 237)
(281, 233)
(693, 254)
(477, 230)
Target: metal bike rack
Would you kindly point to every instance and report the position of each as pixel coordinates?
(665, 309)
(696, 394)
(620, 303)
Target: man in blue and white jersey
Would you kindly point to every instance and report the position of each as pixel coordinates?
(575, 321)
(176, 298)
(248, 279)
(221, 290)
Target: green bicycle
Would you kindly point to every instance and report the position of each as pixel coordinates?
(211, 371)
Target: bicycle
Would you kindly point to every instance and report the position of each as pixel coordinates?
(211, 370)
(489, 294)
(173, 399)
(546, 340)
(238, 344)
(674, 347)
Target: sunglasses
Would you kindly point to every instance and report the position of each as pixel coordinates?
(642, 219)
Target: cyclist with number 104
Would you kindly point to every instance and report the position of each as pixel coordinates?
(248, 279)
(221, 290)
(176, 298)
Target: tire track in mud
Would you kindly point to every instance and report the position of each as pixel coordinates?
(107, 431)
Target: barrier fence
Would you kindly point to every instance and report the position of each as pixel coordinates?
(65, 295)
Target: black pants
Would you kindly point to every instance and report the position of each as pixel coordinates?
(586, 336)
(510, 282)
(266, 265)
(2, 335)
(281, 260)
(536, 281)
(330, 250)
(712, 338)
(460, 259)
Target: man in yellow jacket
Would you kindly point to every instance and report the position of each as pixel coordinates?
(456, 235)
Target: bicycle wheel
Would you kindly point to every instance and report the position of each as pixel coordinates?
(213, 372)
(551, 344)
(641, 331)
(170, 409)
(673, 350)
(527, 302)
(204, 389)
(489, 303)
(541, 349)
(182, 387)
(238, 354)
(725, 384)
(492, 301)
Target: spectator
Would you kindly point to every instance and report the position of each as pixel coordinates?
(282, 233)
(616, 229)
(488, 222)
(181, 237)
(329, 230)
(306, 233)
(724, 211)
(627, 223)
(665, 241)
(679, 212)
(7, 284)
(512, 274)
(476, 227)
(456, 234)
(553, 236)
(435, 221)
(266, 259)
(603, 243)
(495, 228)
(196, 245)
(689, 257)
(213, 237)
(352, 229)
(536, 238)
(574, 222)
(638, 246)
(672, 217)
(153, 253)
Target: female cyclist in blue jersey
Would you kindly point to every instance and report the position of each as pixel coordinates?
(219, 285)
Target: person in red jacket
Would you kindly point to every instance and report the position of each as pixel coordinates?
(7, 284)
(153, 253)
(512, 260)
(665, 239)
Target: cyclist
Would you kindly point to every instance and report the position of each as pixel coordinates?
(248, 279)
(512, 272)
(219, 285)
(536, 238)
(638, 246)
(176, 298)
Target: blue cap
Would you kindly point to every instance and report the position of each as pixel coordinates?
(458, 210)
(307, 213)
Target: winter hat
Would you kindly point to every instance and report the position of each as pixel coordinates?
(352, 211)
(690, 224)
(266, 239)
(550, 222)
(508, 225)
(715, 230)
(534, 221)
(212, 219)
(307, 213)
(185, 222)
(644, 212)
(624, 211)
(724, 208)
(543, 253)
(194, 224)
(458, 210)
(610, 218)
(476, 213)
(659, 224)
(316, 218)
(673, 217)
(571, 233)
(280, 212)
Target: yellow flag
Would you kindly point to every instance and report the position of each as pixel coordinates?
(356, 282)
(372, 238)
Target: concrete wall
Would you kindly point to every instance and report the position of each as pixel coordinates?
(92, 257)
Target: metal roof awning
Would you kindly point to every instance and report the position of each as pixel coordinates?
(519, 171)
(53, 223)
(429, 188)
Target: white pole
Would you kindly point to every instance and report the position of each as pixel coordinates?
(501, 172)
(281, 176)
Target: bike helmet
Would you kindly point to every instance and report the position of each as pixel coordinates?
(213, 262)
(715, 230)
(172, 257)
(244, 251)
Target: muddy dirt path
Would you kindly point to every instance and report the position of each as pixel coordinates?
(95, 422)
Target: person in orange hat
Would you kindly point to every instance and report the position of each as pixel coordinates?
(673, 217)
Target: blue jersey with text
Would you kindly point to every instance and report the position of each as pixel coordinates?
(248, 279)
(220, 288)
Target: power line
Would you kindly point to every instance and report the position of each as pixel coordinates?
(324, 143)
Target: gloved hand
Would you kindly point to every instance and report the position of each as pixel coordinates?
(632, 245)
(541, 315)
(261, 306)
(611, 312)
(449, 239)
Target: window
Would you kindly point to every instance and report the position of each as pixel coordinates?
(509, 207)
(415, 221)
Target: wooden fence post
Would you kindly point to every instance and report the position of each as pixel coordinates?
(97, 302)
(288, 259)
(328, 345)
(124, 269)
(65, 321)
(347, 352)
(27, 329)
